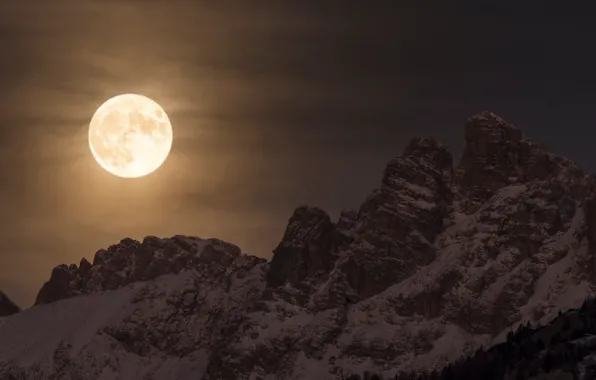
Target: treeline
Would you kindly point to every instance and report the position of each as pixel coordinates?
(529, 351)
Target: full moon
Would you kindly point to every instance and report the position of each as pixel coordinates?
(130, 135)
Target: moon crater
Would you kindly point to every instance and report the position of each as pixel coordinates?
(130, 135)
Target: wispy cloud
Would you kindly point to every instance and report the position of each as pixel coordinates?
(273, 105)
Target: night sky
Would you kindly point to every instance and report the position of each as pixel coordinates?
(273, 106)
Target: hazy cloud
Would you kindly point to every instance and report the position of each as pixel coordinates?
(273, 105)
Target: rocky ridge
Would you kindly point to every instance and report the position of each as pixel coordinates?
(437, 261)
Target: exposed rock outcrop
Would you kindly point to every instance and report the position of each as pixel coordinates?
(305, 249)
(131, 261)
(497, 155)
(399, 222)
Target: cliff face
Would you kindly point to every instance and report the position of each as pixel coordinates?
(437, 261)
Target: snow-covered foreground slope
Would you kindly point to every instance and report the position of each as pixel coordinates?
(436, 262)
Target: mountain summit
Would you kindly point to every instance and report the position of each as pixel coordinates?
(437, 261)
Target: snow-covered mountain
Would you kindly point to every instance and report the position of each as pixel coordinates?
(436, 262)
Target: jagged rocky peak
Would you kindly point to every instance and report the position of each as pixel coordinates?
(7, 307)
(496, 155)
(305, 249)
(398, 223)
(131, 260)
(432, 152)
(305, 224)
(414, 192)
(425, 162)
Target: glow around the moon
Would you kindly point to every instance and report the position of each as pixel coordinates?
(130, 135)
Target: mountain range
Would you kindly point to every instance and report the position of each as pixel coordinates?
(439, 261)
